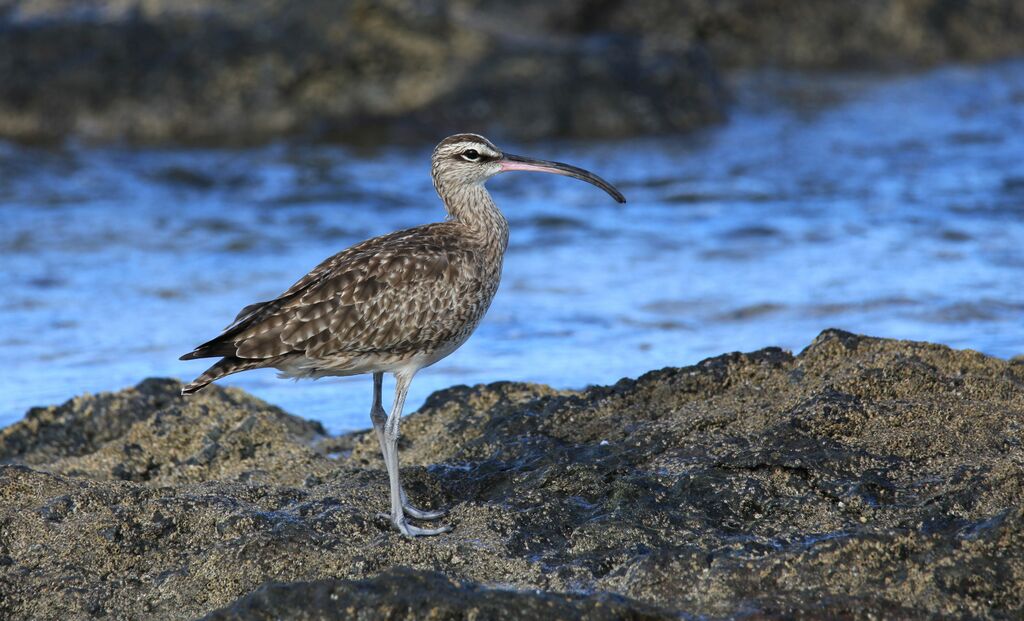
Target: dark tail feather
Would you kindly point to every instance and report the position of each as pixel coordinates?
(211, 349)
(225, 366)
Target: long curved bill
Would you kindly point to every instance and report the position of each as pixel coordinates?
(518, 162)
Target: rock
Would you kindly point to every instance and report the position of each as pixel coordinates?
(862, 478)
(361, 71)
(841, 34)
(148, 433)
(166, 71)
(408, 594)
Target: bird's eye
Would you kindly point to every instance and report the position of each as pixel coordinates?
(470, 155)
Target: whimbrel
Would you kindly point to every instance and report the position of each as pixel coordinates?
(392, 304)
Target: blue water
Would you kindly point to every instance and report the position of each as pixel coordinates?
(892, 206)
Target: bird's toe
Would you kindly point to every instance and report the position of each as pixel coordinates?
(424, 514)
(409, 530)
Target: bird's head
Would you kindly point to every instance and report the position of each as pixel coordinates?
(471, 159)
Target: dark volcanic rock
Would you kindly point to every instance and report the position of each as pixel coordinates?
(859, 34)
(352, 70)
(863, 478)
(407, 594)
(356, 70)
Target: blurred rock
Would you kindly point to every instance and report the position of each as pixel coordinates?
(863, 478)
(161, 70)
(357, 71)
(839, 34)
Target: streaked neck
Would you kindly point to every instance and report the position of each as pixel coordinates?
(473, 206)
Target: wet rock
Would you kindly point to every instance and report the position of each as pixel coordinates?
(407, 594)
(862, 478)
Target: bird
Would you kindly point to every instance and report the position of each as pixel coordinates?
(392, 304)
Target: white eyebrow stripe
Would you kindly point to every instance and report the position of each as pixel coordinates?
(481, 148)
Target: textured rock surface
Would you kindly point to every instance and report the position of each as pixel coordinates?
(163, 70)
(859, 34)
(409, 594)
(863, 478)
(355, 70)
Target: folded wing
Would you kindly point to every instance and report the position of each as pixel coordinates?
(391, 294)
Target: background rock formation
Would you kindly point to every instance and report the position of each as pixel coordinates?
(329, 69)
(352, 70)
(862, 477)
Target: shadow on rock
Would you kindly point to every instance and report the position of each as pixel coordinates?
(407, 594)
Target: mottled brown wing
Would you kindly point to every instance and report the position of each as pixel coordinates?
(394, 294)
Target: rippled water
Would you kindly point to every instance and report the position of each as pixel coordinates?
(892, 206)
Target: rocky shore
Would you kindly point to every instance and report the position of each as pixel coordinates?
(201, 71)
(863, 478)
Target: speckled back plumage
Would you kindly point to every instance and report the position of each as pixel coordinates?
(409, 297)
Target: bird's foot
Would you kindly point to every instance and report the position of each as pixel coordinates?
(416, 512)
(424, 514)
(409, 530)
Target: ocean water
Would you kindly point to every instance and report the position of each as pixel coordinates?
(888, 205)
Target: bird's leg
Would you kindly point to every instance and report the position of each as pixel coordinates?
(391, 426)
(379, 418)
(378, 415)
